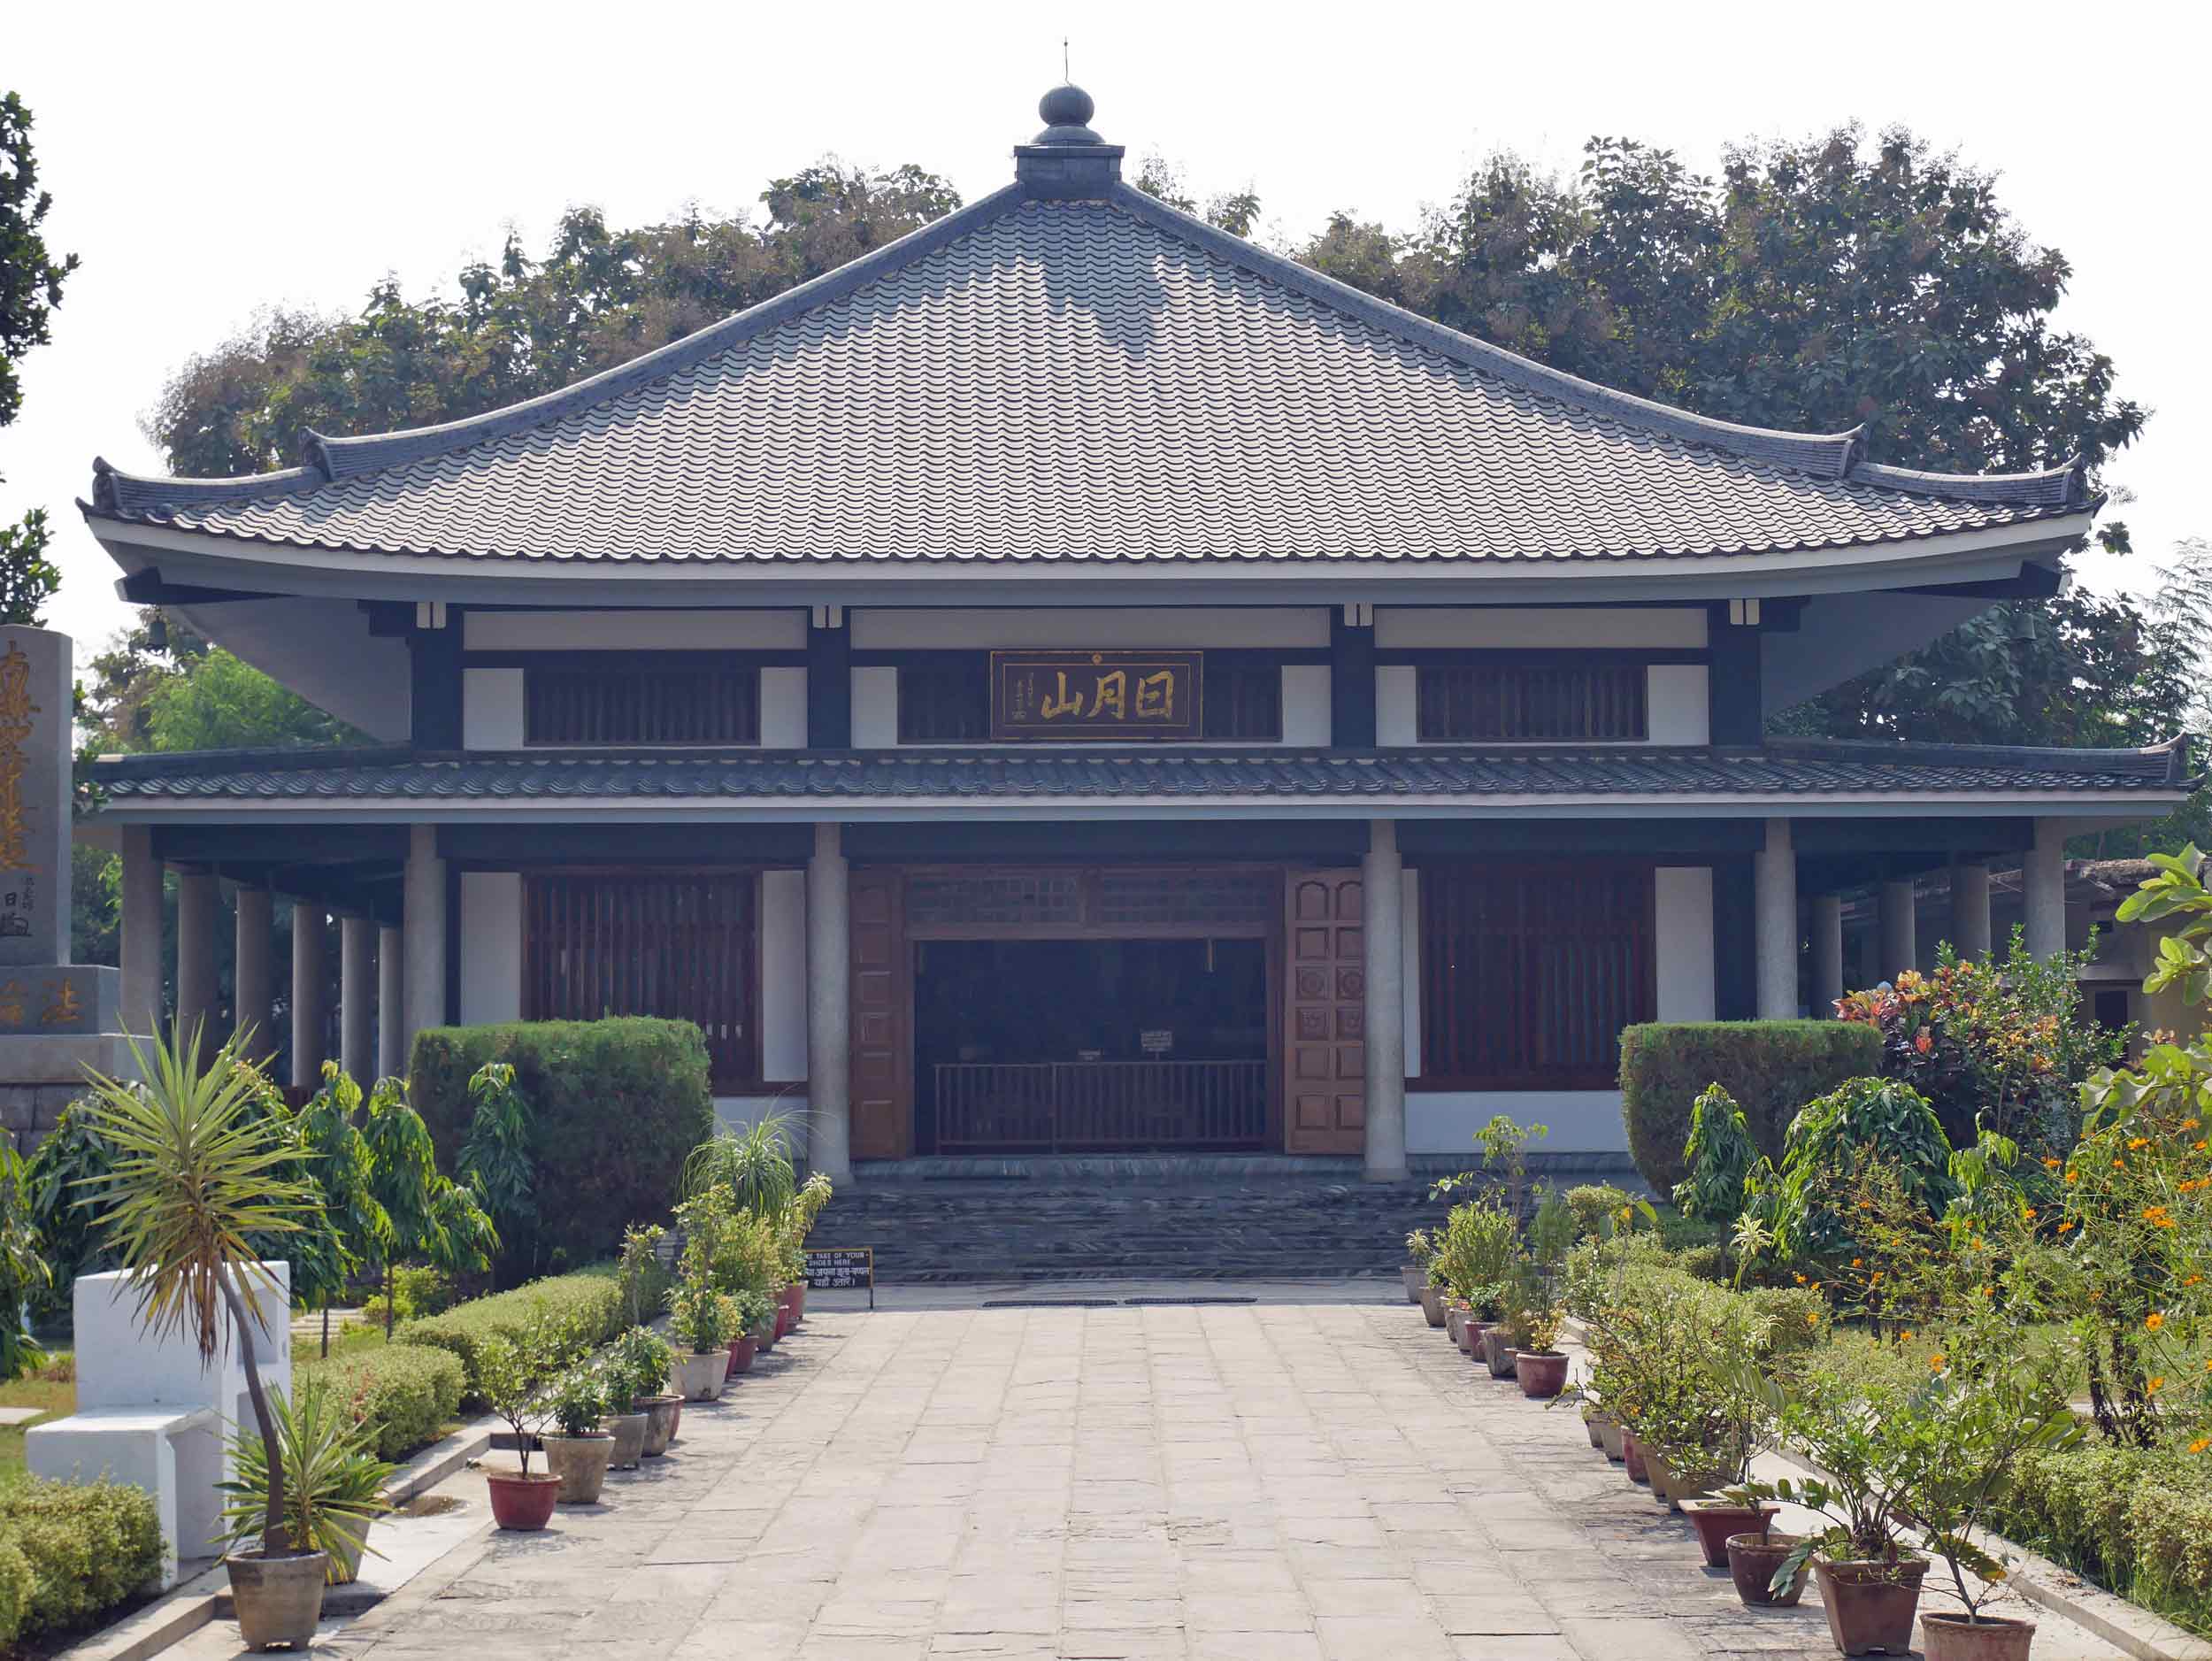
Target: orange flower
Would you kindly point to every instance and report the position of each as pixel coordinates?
(2136, 1143)
(1801, 1279)
(2063, 1227)
(2188, 1123)
(2073, 1176)
(2155, 1386)
(1812, 1318)
(1935, 1363)
(2053, 1161)
(1858, 1263)
(2027, 1214)
(2201, 1444)
(2153, 1321)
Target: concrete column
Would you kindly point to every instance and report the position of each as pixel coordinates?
(1827, 953)
(829, 1008)
(199, 1000)
(251, 976)
(357, 1009)
(424, 926)
(391, 1004)
(1970, 909)
(141, 944)
(2043, 889)
(1380, 873)
(307, 995)
(1774, 886)
(1901, 947)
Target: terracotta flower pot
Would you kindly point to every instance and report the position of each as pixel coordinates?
(1611, 1438)
(1455, 1324)
(1718, 1521)
(1413, 1275)
(628, 1431)
(1992, 1638)
(1752, 1561)
(741, 1353)
(1674, 1486)
(1497, 1350)
(1871, 1604)
(1432, 1303)
(1542, 1373)
(1657, 1473)
(765, 1334)
(699, 1377)
(783, 1322)
(662, 1415)
(580, 1462)
(278, 1600)
(522, 1503)
(1632, 1458)
(798, 1303)
(1591, 1422)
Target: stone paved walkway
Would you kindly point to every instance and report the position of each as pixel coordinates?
(1291, 1482)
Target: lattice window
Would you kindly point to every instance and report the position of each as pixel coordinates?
(1187, 897)
(1487, 703)
(1244, 700)
(1033, 898)
(1529, 973)
(672, 703)
(680, 947)
(946, 700)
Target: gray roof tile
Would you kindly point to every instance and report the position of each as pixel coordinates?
(1084, 381)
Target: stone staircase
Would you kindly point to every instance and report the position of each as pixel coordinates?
(1172, 1218)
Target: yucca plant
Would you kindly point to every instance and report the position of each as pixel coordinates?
(753, 1167)
(195, 1175)
(333, 1484)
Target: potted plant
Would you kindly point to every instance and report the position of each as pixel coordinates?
(196, 1177)
(753, 1310)
(701, 1319)
(1432, 1294)
(507, 1373)
(576, 1449)
(622, 1417)
(646, 1362)
(334, 1482)
(1539, 1365)
(1741, 1426)
(1755, 1564)
(1420, 1249)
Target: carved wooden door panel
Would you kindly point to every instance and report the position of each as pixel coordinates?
(1324, 1024)
(882, 1076)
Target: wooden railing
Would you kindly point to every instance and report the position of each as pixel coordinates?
(1054, 1106)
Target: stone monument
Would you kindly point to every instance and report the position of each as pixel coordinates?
(57, 1018)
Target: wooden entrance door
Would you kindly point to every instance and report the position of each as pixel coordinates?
(1324, 1024)
(882, 1018)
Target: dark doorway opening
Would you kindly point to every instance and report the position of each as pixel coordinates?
(1036, 1045)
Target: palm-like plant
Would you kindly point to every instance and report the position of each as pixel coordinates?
(755, 1167)
(334, 1484)
(195, 1174)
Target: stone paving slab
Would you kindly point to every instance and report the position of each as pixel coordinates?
(1296, 1481)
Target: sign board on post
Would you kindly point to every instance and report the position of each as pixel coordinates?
(842, 1269)
(1069, 695)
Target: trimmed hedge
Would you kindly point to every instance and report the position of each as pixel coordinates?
(405, 1393)
(588, 1305)
(1772, 1068)
(70, 1552)
(616, 1106)
(2139, 1519)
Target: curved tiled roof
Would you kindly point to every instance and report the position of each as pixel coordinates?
(1780, 769)
(1095, 379)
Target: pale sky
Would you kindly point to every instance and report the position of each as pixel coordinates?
(208, 160)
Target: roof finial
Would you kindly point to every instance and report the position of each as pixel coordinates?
(1067, 159)
(1066, 74)
(1067, 110)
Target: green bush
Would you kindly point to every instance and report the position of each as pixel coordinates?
(586, 1308)
(2138, 1520)
(1595, 1206)
(1772, 1068)
(1798, 1316)
(405, 1394)
(1707, 1262)
(615, 1105)
(69, 1552)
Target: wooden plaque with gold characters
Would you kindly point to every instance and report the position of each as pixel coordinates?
(1090, 696)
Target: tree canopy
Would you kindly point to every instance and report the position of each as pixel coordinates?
(31, 281)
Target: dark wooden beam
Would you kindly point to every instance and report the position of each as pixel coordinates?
(1315, 842)
(1351, 683)
(513, 847)
(1572, 838)
(435, 684)
(829, 687)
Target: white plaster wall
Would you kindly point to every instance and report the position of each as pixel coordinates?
(669, 630)
(783, 708)
(1528, 627)
(875, 708)
(1683, 911)
(491, 709)
(1011, 627)
(1676, 704)
(1579, 1122)
(1396, 687)
(1306, 718)
(491, 947)
(782, 975)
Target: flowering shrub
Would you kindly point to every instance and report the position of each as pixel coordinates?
(1993, 1045)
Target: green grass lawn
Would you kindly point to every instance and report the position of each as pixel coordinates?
(54, 1398)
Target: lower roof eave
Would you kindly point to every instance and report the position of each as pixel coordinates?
(2096, 809)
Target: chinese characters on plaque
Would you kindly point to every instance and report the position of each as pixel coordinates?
(1095, 695)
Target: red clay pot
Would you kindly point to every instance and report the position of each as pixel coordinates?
(783, 1324)
(1474, 1330)
(798, 1302)
(1542, 1375)
(1632, 1456)
(741, 1353)
(1716, 1520)
(1752, 1561)
(1871, 1604)
(522, 1503)
(1992, 1638)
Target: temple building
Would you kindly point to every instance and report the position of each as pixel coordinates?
(1074, 681)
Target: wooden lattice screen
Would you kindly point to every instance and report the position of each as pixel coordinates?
(699, 703)
(1502, 702)
(1529, 973)
(680, 946)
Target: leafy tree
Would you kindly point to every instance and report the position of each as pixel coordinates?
(24, 1274)
(31, 282)
(428, 1216)
(343, 1169)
